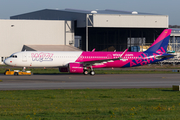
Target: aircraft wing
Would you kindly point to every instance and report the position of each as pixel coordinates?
(165, 56)
(98, 62)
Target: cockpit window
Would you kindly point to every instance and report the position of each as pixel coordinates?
(13, 56)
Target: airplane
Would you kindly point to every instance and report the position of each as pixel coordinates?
(81, 61)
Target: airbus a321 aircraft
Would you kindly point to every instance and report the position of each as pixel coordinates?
(80, 61)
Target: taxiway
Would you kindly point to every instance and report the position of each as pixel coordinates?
(79, 81)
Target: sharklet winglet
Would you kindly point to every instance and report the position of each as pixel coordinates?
(123, 54)
(93, 50)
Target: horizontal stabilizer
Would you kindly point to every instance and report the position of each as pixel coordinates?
(164, 56)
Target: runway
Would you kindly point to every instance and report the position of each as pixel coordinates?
(79, 81)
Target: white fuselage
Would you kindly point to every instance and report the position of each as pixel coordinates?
(42, 58)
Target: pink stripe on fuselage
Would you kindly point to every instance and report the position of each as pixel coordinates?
(95, 56)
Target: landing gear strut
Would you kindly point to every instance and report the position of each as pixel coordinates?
(24, 69)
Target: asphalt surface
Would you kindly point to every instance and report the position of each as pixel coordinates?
(79, 81)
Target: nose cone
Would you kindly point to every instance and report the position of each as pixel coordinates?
(6, 61)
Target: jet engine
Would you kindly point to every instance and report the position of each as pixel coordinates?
(72, 68)
(76, 68)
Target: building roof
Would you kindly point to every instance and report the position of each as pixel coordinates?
(100, 18)
(49, 48)
(55, 12)
(106, 11)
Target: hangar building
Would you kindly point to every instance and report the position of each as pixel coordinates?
(18, 35)
(105, 30)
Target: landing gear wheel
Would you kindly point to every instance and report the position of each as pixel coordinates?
(85, 72)
(92, 73)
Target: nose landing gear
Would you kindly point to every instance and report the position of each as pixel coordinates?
(24, 69)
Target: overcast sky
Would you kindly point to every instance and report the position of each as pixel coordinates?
(165, 7)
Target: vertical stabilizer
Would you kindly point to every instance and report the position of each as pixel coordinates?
(161, 43)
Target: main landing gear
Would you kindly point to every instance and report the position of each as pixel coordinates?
(85, 72)
(91, 72)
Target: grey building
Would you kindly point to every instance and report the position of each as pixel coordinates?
(106, 30)
(19, 35)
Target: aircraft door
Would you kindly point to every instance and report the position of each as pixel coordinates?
(24, 57)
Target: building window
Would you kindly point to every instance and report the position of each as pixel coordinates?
(134, 44)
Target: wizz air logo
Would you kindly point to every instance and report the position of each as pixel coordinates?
(146, 58)
(42, 56)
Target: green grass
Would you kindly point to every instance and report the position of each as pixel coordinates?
(136, 104)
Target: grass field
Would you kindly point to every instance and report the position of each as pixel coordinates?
(127, 104)
(90, 104)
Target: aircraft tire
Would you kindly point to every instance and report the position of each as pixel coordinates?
(92, 73)
(85, 72)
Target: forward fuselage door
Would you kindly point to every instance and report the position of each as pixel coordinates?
(24, 57)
